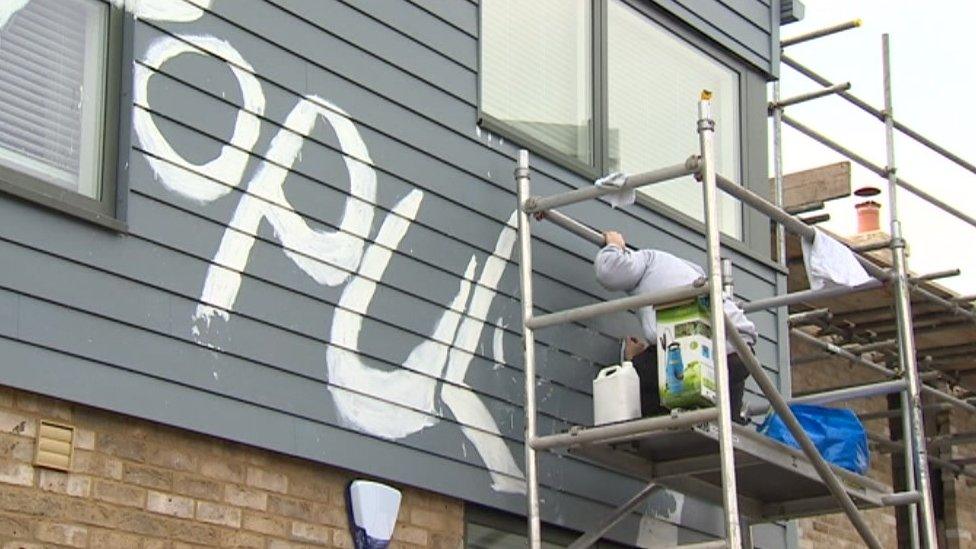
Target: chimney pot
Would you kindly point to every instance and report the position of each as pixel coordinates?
(868, 216)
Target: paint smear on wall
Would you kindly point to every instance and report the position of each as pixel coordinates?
(8, 8)
(388, 403)
(176, 11)
(657, 526)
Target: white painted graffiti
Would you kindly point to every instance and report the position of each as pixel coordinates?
(387, 403)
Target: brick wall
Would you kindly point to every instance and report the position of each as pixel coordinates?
(136, 484)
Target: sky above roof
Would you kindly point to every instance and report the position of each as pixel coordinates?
(933, 79)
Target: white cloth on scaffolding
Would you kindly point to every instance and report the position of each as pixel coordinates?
(830, 263)
(623, 197)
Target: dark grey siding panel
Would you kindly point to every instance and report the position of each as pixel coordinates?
(748, 28)
(107, 319)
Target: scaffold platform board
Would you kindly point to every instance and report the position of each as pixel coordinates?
(774, 481)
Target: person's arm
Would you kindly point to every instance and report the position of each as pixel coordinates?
(618, 268)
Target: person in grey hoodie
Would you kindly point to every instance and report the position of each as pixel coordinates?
(652, 271)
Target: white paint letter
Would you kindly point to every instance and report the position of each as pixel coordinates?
(175, 172)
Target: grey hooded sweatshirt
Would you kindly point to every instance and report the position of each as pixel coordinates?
(653, 271)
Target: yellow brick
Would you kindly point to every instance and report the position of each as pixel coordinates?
(64, 483)
(220, 469)
(62, 534)
(84, 439)
(265, 524)
(107, 539)
(267, 480)
(311, 532)
(197, 487)
(14, 526)
(242, 540)
(98, 465)
(215, 513)
(170, 504)
(245, 497)
(17, 424)
(120, 494)
(16, 472)
(410, 534)
(149, 477)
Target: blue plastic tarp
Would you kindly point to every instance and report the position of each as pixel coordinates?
(837, 433)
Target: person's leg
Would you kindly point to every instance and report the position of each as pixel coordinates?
(646, 365)
(738, 374)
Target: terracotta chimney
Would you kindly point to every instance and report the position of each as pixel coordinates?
(869, 211)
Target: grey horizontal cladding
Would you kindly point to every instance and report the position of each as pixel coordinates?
(398, 18)
(559, 270)
(396, 118)
(738, 30)
(461, 15)
(385, 119)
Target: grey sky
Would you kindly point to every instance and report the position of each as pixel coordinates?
(933, 78)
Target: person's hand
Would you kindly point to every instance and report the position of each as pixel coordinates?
(613, 238)
(634, 346)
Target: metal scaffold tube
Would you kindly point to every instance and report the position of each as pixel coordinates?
(730, 497)
(903, 309)
(542, 203)
(863, 105)
(528, 348)
(779, 405)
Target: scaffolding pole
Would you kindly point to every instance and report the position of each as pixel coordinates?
(779, 404)
(916, 453)
(528, 350)
(863, 105)
(730, 496)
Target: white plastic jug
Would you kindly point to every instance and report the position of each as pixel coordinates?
(616, 394)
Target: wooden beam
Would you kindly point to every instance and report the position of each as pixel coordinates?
(803, 190)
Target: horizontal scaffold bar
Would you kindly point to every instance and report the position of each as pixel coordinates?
(838, 395)
(578, 314)
(844, 353)
(877, 113)
(806, 295)
(535, 204)
(619, 432)
(817, 94)
(880, 171)
(819, 33)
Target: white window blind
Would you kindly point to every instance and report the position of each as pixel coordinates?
(654, 83)
(536, 73)
(52, 91)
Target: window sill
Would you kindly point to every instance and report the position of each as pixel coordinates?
(57, 203)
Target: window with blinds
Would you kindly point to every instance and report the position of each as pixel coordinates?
(536, 74)
(653, 83)
(52, 91)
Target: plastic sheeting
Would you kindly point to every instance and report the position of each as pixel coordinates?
(837, 433)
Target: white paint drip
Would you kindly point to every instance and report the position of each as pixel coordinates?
(497, 344)
(229, 165)
(8, 8)
(164, 10)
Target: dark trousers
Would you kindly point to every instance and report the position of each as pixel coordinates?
(646, 365)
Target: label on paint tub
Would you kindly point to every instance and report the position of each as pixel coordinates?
(686, 369)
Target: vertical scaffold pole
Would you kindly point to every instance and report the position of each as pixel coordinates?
(528, 347)
(903, 309)
(778, 172)
(706, 138)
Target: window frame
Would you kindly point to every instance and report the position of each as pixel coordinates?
(600, 108)
(107, 210)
